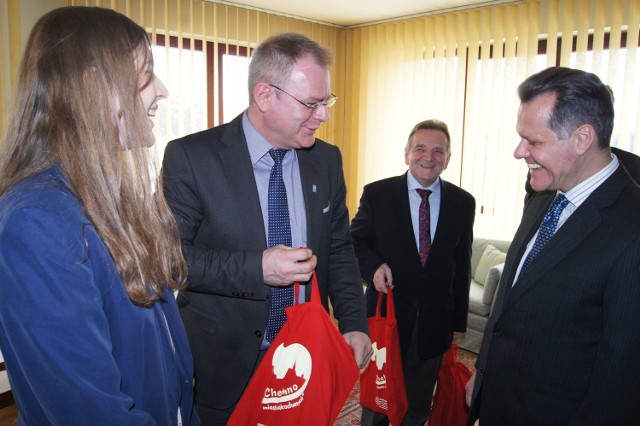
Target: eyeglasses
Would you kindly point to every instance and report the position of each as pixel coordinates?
(312, 107)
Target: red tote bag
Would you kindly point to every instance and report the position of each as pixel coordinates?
(306, 375)
(382, 387)
(449, 406)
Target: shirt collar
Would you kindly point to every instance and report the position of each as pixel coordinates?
(413, 184)
(257, 144)
(581, 192)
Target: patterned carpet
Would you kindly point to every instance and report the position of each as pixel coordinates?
(350, 414)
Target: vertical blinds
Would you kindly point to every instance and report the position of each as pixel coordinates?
(462, 67)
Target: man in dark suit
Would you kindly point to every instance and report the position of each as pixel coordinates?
(561, 345)
(217, 183)
(430, 286)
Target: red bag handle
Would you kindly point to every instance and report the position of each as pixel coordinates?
(391, 309)
(315, 293)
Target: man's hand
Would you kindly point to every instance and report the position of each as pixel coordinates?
(282, 266)
(361, 347)
(468, 389)
(383, 278)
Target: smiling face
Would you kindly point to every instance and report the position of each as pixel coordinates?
(427, 155)
(151, 91)
(551, 160)
(287, 123)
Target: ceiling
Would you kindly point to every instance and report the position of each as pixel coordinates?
(347, 13)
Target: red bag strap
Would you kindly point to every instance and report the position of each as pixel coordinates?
(391, 307)
(315, 292)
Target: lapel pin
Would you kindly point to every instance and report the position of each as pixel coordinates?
(314, 188)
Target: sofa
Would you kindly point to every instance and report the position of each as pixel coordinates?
(487, 262)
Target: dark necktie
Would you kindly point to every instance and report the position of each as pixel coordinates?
(279, 232)
(424, 228)
(547, 228)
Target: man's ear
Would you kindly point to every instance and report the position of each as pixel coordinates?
(263, 95)
(585, 138)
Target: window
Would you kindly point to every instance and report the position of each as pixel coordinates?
(189, 75)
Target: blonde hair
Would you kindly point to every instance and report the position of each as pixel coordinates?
(77, 81)
(274, 59)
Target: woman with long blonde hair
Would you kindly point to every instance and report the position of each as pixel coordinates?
(89, 252)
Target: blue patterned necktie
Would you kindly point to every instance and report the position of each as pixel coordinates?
(424, 225)
(547, 228)
(279, 232)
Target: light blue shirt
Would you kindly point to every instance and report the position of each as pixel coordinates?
(262, 162)
(414, 205)
(576, 196)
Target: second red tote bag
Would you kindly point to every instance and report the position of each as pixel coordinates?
(382, 387)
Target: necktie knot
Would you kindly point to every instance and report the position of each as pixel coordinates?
(557, 207)
(547, 227)
(278, 155)
(424, 193)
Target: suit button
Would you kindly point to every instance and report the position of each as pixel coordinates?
(497, 333)
(482, 371)
(259, 334)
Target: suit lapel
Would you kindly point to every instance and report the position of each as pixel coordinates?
(403, 206)
(575, 230)
(530, 222)
(446, 217)
(314, 193)
(237, 165)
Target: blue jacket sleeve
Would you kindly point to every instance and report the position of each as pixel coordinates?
(54, 333)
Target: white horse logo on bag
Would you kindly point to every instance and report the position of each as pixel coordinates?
(380, 358)
(292, 368)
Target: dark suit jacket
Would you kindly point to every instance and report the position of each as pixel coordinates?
(561, 346)
(382, 233)
(210, 186)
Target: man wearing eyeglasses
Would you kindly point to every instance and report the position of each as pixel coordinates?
(224, 184)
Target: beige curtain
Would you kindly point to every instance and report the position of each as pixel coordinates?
(10, 51)
(464, 67)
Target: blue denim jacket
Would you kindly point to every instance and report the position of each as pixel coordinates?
(77, 350)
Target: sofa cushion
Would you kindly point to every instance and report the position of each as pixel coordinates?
(476, 305)
(491, 284)
(490, 258)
